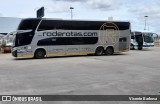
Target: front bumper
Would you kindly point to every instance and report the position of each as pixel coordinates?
(148, 45)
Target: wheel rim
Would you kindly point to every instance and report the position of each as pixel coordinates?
(99, 51)
(110, 51)
(40, 54)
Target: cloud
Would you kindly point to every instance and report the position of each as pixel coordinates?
(58, 9)
(101, 4)
(71, 0)
(57, 6)
(138, 11)
(130, 10)
(97, 4)
(152, 13)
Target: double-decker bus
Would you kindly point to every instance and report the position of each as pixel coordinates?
(140, 40)
(44, 37)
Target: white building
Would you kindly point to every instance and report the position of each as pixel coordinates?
(7, 25)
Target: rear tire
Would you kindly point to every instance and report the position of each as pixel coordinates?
(39, 54)
(99, 51)
(109, 51)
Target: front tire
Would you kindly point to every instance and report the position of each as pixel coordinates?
(39, 54)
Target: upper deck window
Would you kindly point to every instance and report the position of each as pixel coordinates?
(28, 24)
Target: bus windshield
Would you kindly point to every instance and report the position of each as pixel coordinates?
(23, 38)
(25, 32)
(148, 38)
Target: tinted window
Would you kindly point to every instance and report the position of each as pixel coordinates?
(90, 40)
(49, 25)
(68, 41)
(82, 40)
(124, 39)
(23, 39)
(28, 24)
(79, 25)
(52, 41)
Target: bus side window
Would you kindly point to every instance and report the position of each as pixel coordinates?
(75, 41)
(49, 25)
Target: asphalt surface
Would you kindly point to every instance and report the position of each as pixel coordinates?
(129, 73)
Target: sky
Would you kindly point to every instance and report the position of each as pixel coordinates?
(121, 10)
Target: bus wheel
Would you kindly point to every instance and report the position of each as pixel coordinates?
(40, 53)
(132, 47)
(109, 51)
(99, 51)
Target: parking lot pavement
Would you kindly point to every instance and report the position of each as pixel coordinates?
(130, 73)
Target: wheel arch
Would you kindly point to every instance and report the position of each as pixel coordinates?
(99, 46)
(110, 47)
(41, 48)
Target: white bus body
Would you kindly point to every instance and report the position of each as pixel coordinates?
(140, 40)
(45, 37)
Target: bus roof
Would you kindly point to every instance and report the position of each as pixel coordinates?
(71, 20)
(144, 32)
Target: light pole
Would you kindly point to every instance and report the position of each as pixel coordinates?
(145, 22)
(71, 12)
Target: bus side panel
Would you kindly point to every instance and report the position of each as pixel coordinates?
(72, 49)
(124, 40)
(118, 39)
(56, 50)
(87, 49)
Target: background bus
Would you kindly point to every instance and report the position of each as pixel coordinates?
(140, 40)
(46, 37)
(6, 43)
